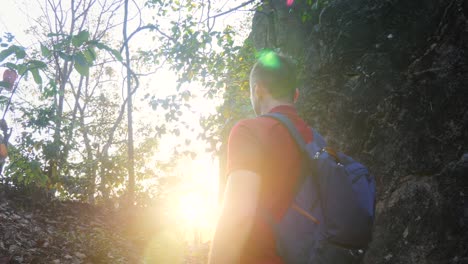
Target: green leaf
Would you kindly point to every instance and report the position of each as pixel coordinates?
(4, 100)
(64, 56)
(82, 70)
(22, 68)
(45, 51)
(10, 65)
(19, 52)
(116, 54)
(37, 77)
(80, 38)
(102, 46)
(37, 64)
(6, 53)
(81, 65)
(81, 59)
(5, 84)
(89, 55)
(55, 35)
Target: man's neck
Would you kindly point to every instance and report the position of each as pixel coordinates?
(266, 108)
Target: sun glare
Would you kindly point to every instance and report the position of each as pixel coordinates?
(195, 200)
(192, 208)
(196, 213)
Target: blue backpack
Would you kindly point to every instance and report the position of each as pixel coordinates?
(330, 219)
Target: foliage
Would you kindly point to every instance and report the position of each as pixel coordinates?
(72, 139)
(310, 12)
(236, 99)
(14, 57)
(83, 52)
(191, 44)
(200, 53)
(204, 53)
(74, 64)
(25, 168)
(236, 102)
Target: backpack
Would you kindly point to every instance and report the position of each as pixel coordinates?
(330, 219)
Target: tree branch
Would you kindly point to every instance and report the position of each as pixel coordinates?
(230, 10)
(141, 29)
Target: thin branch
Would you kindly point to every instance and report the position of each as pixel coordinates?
(208, 17)
(139, 13)
(153, 27)
(230, 10)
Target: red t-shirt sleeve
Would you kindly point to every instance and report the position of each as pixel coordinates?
(244, 152)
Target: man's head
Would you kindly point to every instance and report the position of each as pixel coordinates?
(272, 79)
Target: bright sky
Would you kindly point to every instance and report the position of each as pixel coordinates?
(199, 202)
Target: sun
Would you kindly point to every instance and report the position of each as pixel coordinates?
(192, 208)
(197, 215)
(195, 202)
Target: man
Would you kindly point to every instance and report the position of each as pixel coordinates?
(263, 167)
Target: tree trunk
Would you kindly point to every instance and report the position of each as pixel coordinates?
(131, 161)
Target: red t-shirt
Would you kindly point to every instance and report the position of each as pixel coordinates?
(264, 146)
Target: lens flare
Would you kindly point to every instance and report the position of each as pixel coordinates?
(269, 59)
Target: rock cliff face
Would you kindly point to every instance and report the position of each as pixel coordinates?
(387, 82)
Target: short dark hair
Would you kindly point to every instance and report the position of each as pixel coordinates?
(277, 73)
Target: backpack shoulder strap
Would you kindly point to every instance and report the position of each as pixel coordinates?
(319, 140)
(286, 122)
(300, 142)
(291, 128)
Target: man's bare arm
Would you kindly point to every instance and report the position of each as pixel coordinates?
(237, 216)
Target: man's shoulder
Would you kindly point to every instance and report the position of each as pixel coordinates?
(256, 124)
(265, 128)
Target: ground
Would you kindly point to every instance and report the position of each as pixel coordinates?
(73, 232)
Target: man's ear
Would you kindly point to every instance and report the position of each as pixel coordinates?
(296, 95)
(259, 89)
